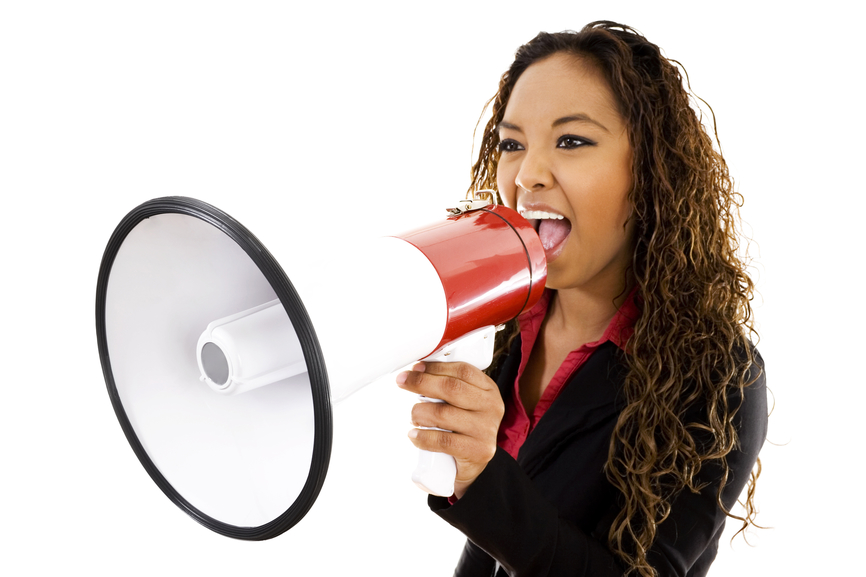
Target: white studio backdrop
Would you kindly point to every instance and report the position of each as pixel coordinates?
(317, 125)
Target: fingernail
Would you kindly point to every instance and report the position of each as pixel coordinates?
(413, 433)
(419, 367)
(401, 378)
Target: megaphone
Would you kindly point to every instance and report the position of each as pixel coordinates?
(222, 371)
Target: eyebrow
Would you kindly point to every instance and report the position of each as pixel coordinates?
(558, 122)
(579, 118)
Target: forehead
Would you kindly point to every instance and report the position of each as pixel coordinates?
(561, 85)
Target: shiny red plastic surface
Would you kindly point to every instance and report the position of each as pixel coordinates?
(491, 264)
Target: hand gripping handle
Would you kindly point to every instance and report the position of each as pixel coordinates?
(436, 472)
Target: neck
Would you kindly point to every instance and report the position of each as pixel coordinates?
(582, 314)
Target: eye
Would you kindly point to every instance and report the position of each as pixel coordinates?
(570, 141)
(509, 145)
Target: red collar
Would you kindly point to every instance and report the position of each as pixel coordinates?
(618, 331)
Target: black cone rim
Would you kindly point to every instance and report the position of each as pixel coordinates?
(284, 290)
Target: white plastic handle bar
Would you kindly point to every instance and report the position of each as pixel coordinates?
(436, 472)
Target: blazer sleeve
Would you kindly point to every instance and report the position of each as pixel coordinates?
(687, 541)
(505, 516)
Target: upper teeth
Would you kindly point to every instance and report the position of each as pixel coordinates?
(540, 214)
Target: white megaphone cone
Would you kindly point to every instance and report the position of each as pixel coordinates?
(222, 371)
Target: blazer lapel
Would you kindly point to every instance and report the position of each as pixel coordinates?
(587, 402)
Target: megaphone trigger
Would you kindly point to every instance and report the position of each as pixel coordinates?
(475, 348)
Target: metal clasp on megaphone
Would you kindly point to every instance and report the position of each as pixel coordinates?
(481, 199)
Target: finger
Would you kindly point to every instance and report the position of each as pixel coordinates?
(454, 444)
(470, 454)
(450, 389)
(403, 377)
(445, 416)
(461, 371)
(459, 384)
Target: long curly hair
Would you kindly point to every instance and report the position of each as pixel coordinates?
(691, 343)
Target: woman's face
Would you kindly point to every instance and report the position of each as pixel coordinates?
(566, 165)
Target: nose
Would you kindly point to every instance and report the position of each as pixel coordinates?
(534, 174)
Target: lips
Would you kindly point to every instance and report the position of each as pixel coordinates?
(553, 230)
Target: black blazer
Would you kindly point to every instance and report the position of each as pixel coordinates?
(549, 512)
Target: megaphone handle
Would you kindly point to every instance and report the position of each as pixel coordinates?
(436, 472)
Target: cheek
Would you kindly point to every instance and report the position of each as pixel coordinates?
(507, 193)
(619, 183)
(505, 186)
(606, 196)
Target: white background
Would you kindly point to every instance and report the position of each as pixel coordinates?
(319, 124)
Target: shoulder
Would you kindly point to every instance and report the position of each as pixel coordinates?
(750, 404)
(745, 391)
(747, 409)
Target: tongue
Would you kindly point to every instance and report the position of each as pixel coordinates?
(552, 232)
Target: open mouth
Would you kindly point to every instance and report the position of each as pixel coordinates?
(552, 228)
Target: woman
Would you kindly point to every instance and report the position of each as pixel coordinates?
(626, 410)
